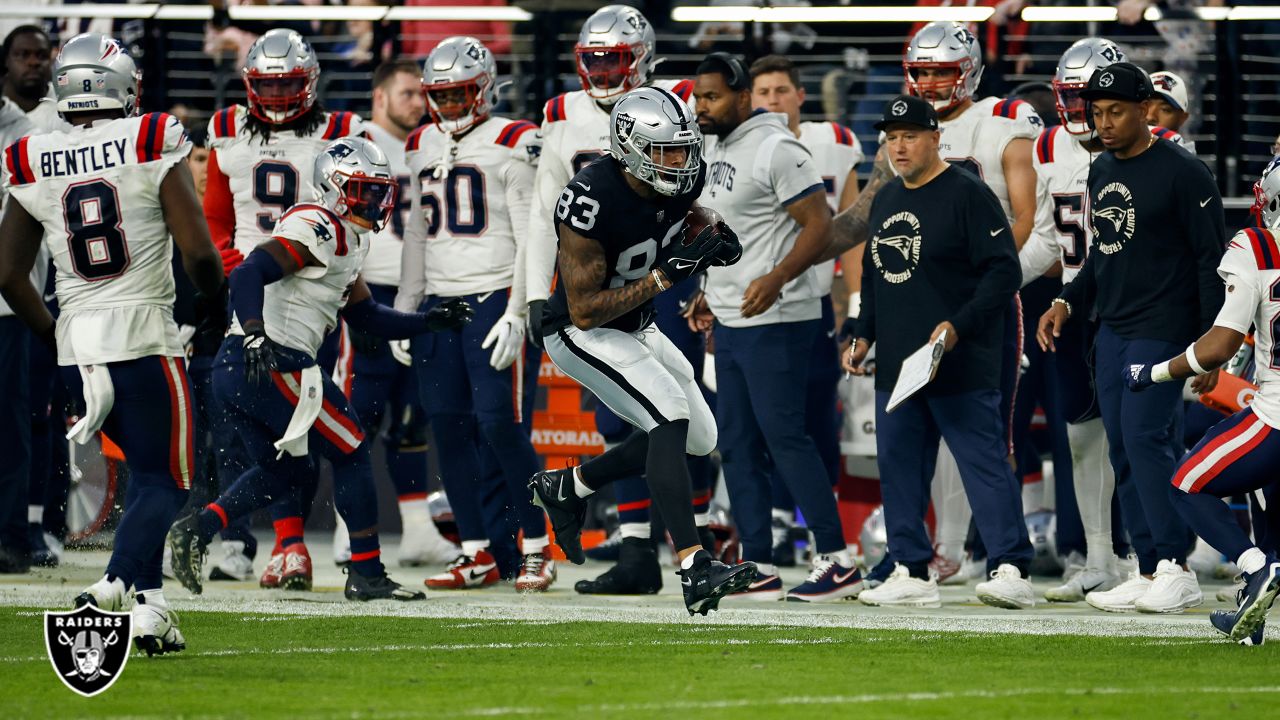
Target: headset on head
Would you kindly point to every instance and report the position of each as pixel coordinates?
(739, 77)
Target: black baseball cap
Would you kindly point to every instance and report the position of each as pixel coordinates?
(1119, 81)
(908, 110)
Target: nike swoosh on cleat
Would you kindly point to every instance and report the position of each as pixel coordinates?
(484, 572)
(845, 577)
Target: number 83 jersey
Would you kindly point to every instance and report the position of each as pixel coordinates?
(96, 192)
(268, 176)
(600, 205)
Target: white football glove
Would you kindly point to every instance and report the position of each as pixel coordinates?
(400, 351)
(507, 340)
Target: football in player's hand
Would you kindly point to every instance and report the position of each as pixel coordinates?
(698, 218)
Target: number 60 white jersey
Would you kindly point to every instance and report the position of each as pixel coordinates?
(96, 191)
(465, 227)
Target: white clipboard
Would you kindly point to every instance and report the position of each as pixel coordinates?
(918, 370)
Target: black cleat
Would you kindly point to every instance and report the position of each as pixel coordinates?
(41, 554)
(553, 492)
(1225, 620)
(381, 587)
(1255, 600)
(637, 572)
(710, 580)
(188, 552)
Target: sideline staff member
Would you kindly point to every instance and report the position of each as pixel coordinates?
(942, 257)
(1151, 279)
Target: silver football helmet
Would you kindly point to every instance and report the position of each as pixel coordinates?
(354, 180)
(1266, 196)
(656, 138)
(874, 538)
(1075, 68)
(460, 80)
(94, 72)
(616, 53)
(280, 76)
(943, 45)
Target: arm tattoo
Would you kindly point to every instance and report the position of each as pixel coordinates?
(583, 271)
(851, 227)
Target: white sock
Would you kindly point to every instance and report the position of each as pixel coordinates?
(702, 519)
(1094, 484)
(471, 547)
(765, 569)
(152, 597)
(416, 514)
(580, 488)
(844, 558)
(950, 504)
(1251, 560)
(533, 546)
(35, 514)
(687, 562)
(787, 515)
(635, 530)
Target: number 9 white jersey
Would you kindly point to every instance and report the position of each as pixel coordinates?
(96, 191)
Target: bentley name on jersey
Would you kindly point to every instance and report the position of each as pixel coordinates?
(267, 177)
(575, 131)
(470, 199)
(299, 310)
(96, 192)
(600, 205)
(976, 140)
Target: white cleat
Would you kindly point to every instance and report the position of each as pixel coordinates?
(420, 546)
(155, 630)
(1083, 582)
(342, 542)
(104, 595)
(902, 590)
(1172, 590)
(1231, 593)
(233, 563)
(1122, 597)
(1007, 589)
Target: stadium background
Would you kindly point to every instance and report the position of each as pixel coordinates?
(191, 55)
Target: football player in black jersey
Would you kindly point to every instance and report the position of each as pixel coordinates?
(620, 223)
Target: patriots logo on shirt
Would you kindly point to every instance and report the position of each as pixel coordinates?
(321, 230)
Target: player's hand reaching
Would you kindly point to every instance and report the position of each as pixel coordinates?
(507, 340)
(402, 351)
(449, 315)
(259, 353)
(1138, 377)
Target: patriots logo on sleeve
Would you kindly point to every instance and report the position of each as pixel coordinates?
(321, 230)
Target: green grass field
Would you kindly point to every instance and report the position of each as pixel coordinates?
(280, 665)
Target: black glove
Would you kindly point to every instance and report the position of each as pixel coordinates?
(449, 315)
(211, 322)
(730, 251)
(364, 343)
(682, 261)
(259, 353)
(536, 308)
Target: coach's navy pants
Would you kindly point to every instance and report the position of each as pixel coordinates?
(907, 449)
(15, 434)
(761, 376)
(1141, 429)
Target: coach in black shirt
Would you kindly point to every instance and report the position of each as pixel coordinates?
(941, 258)
(1151, 281)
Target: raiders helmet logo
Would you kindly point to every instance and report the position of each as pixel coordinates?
(898, 109)
(622, 126)
(88, 647)
(1107, 80)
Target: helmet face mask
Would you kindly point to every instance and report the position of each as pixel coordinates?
(615, 53)
(608, 72)
(657, 140)
(353, 179)
(459, 82)
(943, 65)
(1266, 196)
(280, 77)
